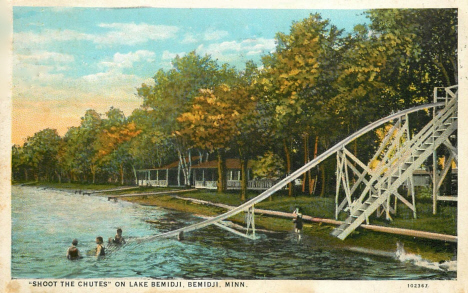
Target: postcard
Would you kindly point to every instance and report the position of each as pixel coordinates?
(156, 146)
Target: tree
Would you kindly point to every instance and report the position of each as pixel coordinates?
(81, 151)
(212, 121)
(173, 94)
(297, 81)
(426, 42)
(152, 148)
(253, 131)
(112, 146)
(41, 151)
(19, 163)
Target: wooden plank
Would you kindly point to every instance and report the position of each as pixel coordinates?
(234, 231)
(444, 172)
(114, 189)
(152, 193)
(337, 185)
(413, 233)
(452, 149)
(447, 198)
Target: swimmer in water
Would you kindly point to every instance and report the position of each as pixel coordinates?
(100, 251)
(118, 239)
(73, 252)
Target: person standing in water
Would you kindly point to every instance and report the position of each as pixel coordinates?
(298, 223)
(100, 251)
(118, 239)
(73, 252)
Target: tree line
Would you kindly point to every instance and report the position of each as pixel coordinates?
(317, 87)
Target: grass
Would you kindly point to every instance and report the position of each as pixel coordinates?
(445, 221)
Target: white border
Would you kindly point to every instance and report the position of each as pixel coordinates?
(8, 285)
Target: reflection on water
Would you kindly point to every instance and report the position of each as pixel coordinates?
(44, 222)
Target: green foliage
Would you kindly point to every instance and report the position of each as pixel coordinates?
(175, 89)
(319, 85)
(269, 165)
(424, 192)
(40, 152)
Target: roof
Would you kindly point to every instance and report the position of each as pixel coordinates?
(172, 165)
(175, 164)
(230, 164)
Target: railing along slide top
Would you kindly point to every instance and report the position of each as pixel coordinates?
(267, 193)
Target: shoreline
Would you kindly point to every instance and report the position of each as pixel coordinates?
(367, 242)
(311, 230)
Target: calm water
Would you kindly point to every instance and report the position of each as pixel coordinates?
(44, 222)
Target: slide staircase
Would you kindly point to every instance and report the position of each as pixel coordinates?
(398, 170)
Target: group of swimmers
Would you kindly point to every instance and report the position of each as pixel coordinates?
(73, 252)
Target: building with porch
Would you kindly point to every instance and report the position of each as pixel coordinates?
(165, 176)
(203, 175)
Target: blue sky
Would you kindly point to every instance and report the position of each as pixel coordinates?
(67, 60)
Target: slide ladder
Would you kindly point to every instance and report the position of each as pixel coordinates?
(392, 174)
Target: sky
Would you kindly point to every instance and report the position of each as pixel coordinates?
(67, 60)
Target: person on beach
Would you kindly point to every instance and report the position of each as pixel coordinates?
(100, 251)
(73, 252)
(298, 223)
(118, 239)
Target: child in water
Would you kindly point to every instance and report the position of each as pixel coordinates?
(118, 239)
(73, 252)
(100, 248)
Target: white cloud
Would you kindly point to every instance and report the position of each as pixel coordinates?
(189, 39)
(35, 78)
(132, 34)
(208, 35)
(43, 57)
(118, 34)
(40, 67)
(227, 50)
(27, 39)
(127, 60)
(213, 35)
(169, 56)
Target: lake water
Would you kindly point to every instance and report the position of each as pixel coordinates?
(44, 222)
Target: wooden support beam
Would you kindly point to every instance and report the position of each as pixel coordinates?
(447, 198)
(337, 186)
(116, 189)
(453, 150)
(412, 233)
(234, 231)
(153, 193)
(384, 142)
(444, 172)
(411, 178)
(346, 183)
